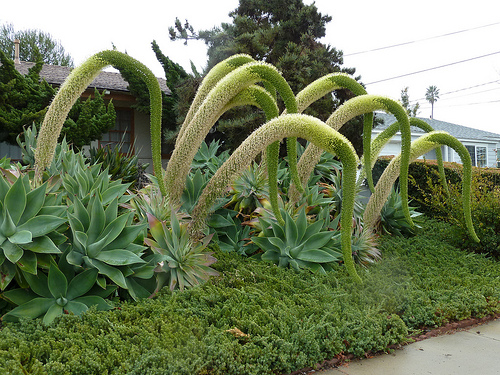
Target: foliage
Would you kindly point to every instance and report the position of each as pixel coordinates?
(54, 296)
(27, 218)
(298, 244)
(26, 97)
(412, 110)
(34, 45)
(180, 262)
(392, 219)
(124, 167)
(289, 319)
(485, 213)
(285, 35)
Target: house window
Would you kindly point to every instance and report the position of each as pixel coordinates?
(477, 155)
(122, 133)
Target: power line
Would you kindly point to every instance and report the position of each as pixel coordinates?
(464, 89)
(434, 68)
(420, 40)
(464, 104)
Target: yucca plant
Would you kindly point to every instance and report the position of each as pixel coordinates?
(298, 244)
(27, 219)
(180, 262)
(53, 295)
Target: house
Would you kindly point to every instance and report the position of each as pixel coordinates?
(482, 145)
(132, 127)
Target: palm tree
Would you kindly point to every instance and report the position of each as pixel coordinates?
(432, 95)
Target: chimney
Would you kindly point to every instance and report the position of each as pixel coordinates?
(16, 51)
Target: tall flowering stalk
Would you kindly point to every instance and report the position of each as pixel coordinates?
(72, 88)
(419, 147)
(209, 111)
(291, 125)
(385, 136)
(357, 106)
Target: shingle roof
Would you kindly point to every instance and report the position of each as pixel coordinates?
(458, 131)
(55, 75)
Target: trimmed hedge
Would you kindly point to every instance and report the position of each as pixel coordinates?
(288, 320)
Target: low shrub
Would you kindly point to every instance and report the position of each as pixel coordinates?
(261, 319)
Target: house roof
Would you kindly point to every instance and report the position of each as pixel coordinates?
(55, 75)
(458, 131)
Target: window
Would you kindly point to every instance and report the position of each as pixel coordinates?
(477, 155)
(122, 132)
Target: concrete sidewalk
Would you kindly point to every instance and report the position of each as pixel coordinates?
(472, 351)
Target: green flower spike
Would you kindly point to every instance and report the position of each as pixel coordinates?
(215, 74)
(381, 140)
(208, 112)
(293, 125)
(357, 106)
(419, 147)
(316, 90)
(70, 91)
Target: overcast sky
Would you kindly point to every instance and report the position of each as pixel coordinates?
(469, 91)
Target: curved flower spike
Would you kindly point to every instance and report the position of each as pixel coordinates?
(313, 92)
(70, 91)
(381, 140)
(356, 106)
(292, 125)
(215, 74)
(419, 147)
(208, 112)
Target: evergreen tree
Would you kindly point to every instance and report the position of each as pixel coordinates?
(24, 100)
(33, 43)
(285, 34)
(412, 110)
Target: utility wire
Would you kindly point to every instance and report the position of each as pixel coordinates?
(420, 40)
(463, 89)
(434, 68)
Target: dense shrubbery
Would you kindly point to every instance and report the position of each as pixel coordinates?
(288, 319)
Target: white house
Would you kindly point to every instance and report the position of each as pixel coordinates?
(482, 145)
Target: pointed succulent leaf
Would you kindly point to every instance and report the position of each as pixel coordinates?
(316, 256)
(30, 310)
(113, 192)
(113, 273)
(53, 312)
(277, 242)
(97, 220)
(43, 245)
(21, 237)
(94, 300)
(34, 202)
(12, 251)
(8, 227)
(126, 238)
(81, 283)
(28, 262)
(76, 307)
(58, 285)
(114, 229)
(318, 240)
(111, 211)
(41, 225)
(75, 224)
(15, 200)
(81, 214)
(136, 290)
(19, 296)
(118, 257)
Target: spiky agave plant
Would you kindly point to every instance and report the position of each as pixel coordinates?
(292, 125)
(71, 90)
(419, 147)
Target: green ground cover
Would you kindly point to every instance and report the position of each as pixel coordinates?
(281, 320)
